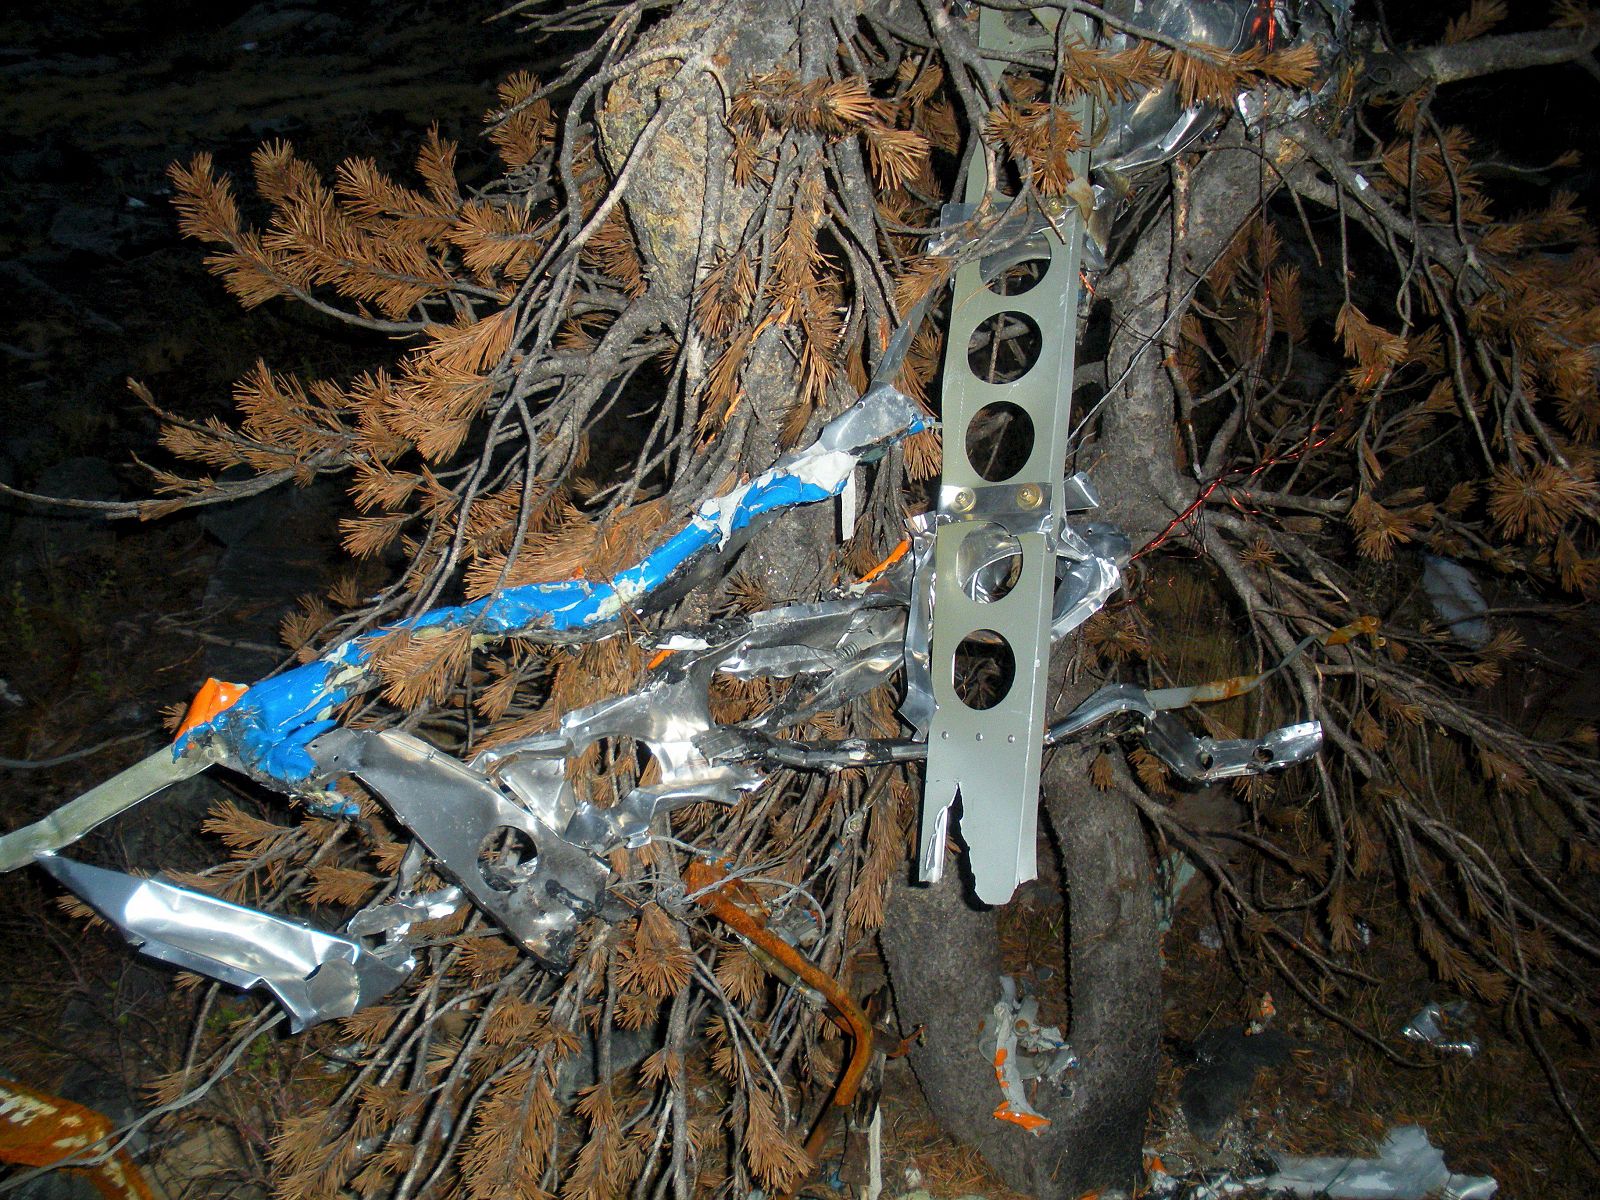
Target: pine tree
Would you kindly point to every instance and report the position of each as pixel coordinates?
(716, 213)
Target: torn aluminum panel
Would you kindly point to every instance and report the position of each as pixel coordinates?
(536, 891)
(1085, 577)
(100, 803)
(316, 976)
(917, 707)
(990, 756)
(1444, 1027)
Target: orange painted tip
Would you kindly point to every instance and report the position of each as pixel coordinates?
(657, 659)
(41, 1130)
(214, 696)
(895, 556)
(1029, 1121)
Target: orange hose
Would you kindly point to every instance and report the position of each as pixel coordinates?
(710, 882)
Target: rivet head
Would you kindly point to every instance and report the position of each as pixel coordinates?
(1030, 495)
(963, 501)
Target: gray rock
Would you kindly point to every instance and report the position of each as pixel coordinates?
(92, 228)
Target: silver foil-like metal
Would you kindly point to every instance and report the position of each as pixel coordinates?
(128, 787)
(315, 975)
(1444, 1027)
(1197, 760)
(516, 870)
(1145, 131)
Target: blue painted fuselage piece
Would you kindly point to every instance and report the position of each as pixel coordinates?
(266, 731)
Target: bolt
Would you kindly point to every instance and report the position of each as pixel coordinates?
(963, 501)
(1030, 495)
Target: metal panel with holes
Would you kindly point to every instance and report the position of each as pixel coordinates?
(986, 744)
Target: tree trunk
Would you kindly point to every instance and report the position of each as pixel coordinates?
(942, 949)
(944, 963)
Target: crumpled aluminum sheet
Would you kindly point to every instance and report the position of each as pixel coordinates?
(1021, 1050)
(1443, 1026)
(459, 816)
(1408, 1167)
(1151, 129)
(1088, 573)
(551, 876)
(315, 975)
(838, 649)
(268, 731)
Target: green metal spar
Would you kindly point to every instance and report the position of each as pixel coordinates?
(991, 756)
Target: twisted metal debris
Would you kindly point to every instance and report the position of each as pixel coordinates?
(1018, 559)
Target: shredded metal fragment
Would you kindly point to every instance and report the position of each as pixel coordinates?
(315, 975)
(1443, 1026)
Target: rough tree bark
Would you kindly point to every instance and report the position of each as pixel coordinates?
(683, 206)
(944, 962)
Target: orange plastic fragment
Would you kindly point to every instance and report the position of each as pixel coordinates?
(39, 1130)
(895, 556)
(214, 696)
(1349, 633)
(657, 659)
(1029, 1121)
(1000, 1065)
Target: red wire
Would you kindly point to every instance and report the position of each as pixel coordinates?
(1306, 446)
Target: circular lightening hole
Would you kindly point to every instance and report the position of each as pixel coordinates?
(985, 669)
(999, 441)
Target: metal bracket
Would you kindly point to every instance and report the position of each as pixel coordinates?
(991, 756)
(456, 813)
